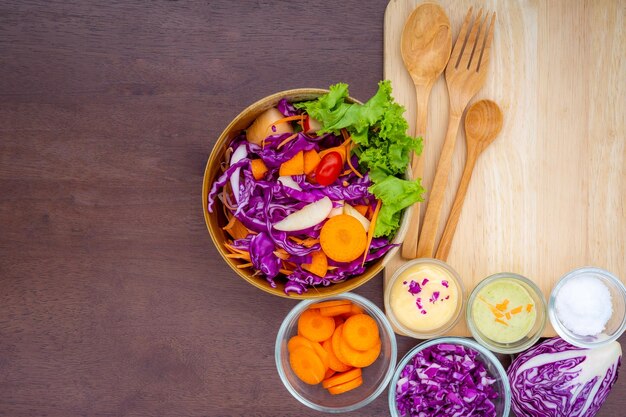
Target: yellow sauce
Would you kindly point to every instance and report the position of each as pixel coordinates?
(424, 297)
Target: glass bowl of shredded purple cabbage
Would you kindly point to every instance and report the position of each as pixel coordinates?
(262, 203)
(376, 376)
(449, 377)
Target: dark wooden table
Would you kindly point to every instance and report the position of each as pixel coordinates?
(113, 300)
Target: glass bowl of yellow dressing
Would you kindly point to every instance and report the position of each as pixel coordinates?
(424, 298)
(506, 313)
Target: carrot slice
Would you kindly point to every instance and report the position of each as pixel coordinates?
(297, 341)
(311, 160)
(307, 365)
(370, 232)
(329, 373)
(259, 169)
(343, 238)
(361, 332)
(358, 358)
(342, 378)
(322, 353)
(348, 386)
(330, 303)
(294, 166)
(335, 343)
(318, 265)
(516, 310)
(529, 307)
(356, 309)
(314, 326)
(335, 310)
(333, 361)
(361, 208)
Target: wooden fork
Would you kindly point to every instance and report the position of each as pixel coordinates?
(465, 74)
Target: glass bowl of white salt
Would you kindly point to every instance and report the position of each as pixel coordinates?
(587, 307)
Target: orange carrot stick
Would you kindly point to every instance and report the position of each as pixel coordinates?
(288, 119)
(358, 174)
(286, 141)
(370, 232)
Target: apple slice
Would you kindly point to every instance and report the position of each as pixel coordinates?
(287, 181)
(262, 126)
(307, 216)
(351, 211)
(336, 211)
(239, 153)
(310, 125)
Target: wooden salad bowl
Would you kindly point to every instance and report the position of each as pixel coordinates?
(216, 220)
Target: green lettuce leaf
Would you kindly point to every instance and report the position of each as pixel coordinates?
(384, 150)
(396, 194)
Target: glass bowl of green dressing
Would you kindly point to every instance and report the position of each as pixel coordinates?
(506, 313)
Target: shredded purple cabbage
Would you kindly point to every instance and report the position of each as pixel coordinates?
(446, 380)
(286, 108)
(263, 203)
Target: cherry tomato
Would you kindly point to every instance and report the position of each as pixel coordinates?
(329, 168)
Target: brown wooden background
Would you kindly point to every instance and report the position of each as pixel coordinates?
(113, 300)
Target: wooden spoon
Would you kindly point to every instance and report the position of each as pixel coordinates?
(426, 45)
(483, 122)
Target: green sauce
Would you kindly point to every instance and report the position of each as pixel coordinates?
(504, 311)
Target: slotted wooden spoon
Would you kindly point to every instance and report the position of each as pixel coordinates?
(426, 45)
(483, 122)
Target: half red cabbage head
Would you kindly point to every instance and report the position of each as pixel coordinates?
(556, 379)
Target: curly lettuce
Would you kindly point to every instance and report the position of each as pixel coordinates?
(384, 149)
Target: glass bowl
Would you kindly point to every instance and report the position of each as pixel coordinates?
(535, 331)
(376, 377)
(437, 265)
(493, 366)
(616, 324)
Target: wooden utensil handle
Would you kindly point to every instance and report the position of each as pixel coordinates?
(409, 247)
(426, 245)
(457, 206)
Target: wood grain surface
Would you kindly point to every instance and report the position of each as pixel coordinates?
(113, 300)
(548, 195)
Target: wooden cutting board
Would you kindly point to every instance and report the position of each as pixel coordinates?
(549, 195)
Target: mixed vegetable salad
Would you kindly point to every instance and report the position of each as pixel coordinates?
(313, 191)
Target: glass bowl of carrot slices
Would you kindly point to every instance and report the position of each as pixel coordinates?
(336, 354)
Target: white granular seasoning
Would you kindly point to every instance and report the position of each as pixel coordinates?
(583, 305)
